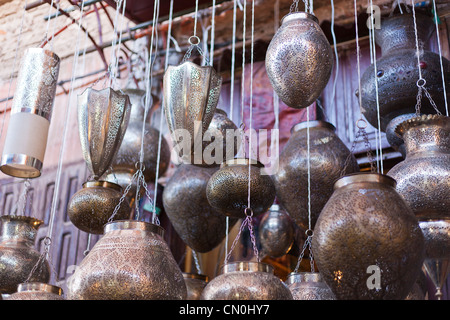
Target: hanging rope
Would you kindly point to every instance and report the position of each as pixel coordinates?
(436, 18)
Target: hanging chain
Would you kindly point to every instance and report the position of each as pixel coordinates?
(197, 263)
(309, 234)
(294, 6)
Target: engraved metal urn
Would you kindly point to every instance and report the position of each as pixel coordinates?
(299, 60)
(197, 223)
(423, 178)
(124, 164)
(328, 156)
(90, 208)
(18, 255)
(276, 232)
(308, 286)
(130, 262)
(227, 189)
(195, 283)
(398, 71)
(37, 291)
(103, 118)
(191, 93)
(31, 112)
(246, 281)
(367, 242)
(396, 141)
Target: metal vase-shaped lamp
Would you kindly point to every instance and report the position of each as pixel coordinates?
(103, 118)
(308, 286)
(37, 291)
(191, 93)
(245, 280)
(130, 262)
(299, 60)
(18, 255)
(31, 112)
(195, 283)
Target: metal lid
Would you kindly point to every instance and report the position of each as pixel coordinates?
(292, 16)
(134, 225)
(294, 277)
(313, 124)
(364, 177)
(102, 183)
(246, 266)
(35, 223)
(197, 276)
(38, 286)
(241, 161)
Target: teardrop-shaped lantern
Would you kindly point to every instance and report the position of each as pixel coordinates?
(195, 283)
(276, 232)
(367, 242)
(191, 93)
(198, 224)
(308, 286)
(329, 159)
(130, 262)
(102, 121)
(227, 189)
(37, 291)
(246, 281)
(31, 112)
(299, 60)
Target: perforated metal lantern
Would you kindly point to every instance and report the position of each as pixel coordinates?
(308, 286)
(299, 60)
(103, 117)
(31, 112)
(195, 283)
(191, 93)
(246, 281)
(37, 291)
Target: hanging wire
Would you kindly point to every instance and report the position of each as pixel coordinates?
(194, 40)
(436, 18)
(213, 30)
(333, 35)
(276, 99)
(197, 262)
(48, 239)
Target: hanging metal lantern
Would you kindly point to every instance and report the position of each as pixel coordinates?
(130, 262)
(398, 72)
(246, 281)
(103, 118)
(276, 232)
(329, 159)
(90, 208)
(198, 224)
(227, 189)
(191, 93)
(366, 229)
(299, 60)
(31, 112)
(18, 255)
(423, 178)
(195, 283)
(392, 137)
(308, 286)
(124, 164)
(37, 291)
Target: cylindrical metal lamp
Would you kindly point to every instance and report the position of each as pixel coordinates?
(31, 111)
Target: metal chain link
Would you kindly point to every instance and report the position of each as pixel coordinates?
(308, 245)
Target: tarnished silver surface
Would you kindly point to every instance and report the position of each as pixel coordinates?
(90, 208)
(397, 70)
(191, 93)
(36, 83)
(18, 255)
(423, 178)
(37, 291)
(437, 238)
(227, 189)
(195, 283)
(299, 60)
(207, 156)
(392, 137)
(102, 121)
(246, 281)
(367, 223)
(276, 232)
(129, 151)
(308, 286)
(328, 155)
(130, 262)
(197, 223)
